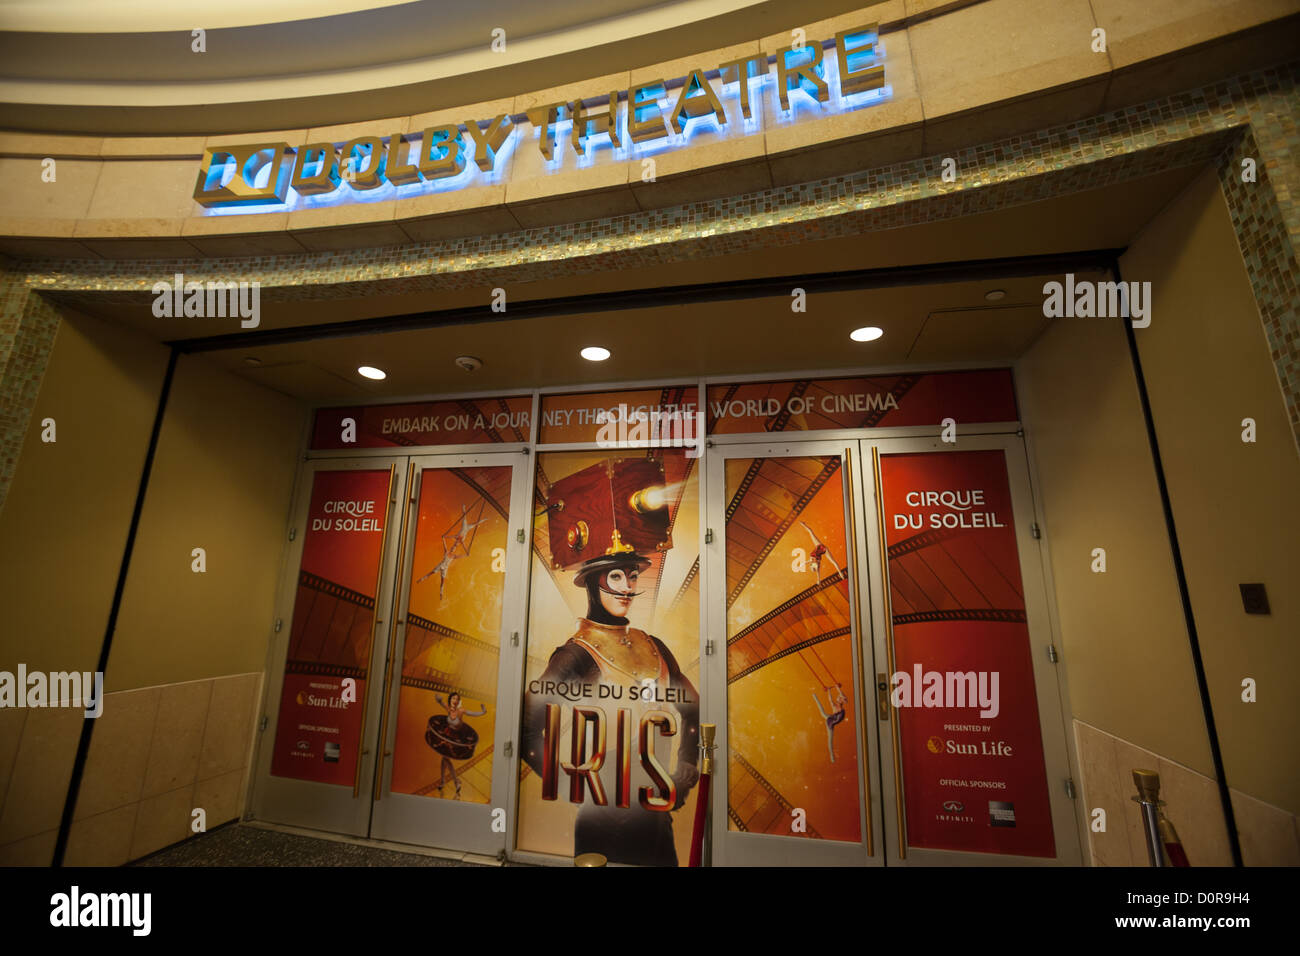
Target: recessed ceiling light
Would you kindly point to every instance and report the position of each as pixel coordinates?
(370, 372)
(868, 333)
(994, 295)
(594, 353)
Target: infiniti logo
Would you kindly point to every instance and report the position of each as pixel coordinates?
(954, 806)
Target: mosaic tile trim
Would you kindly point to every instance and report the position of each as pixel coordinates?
(28, 324)
(1184, 129)
(1269, 253)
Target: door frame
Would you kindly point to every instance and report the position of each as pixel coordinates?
(748, 849)
(307, 803)
(1040, 623)
(449, 824)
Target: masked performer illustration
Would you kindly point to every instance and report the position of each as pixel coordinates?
(605, 649)
(450, 736)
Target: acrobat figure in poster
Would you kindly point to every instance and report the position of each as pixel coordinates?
(818, 552)
(837, 701)
(441, 570)
(451, 539)
(450, 736)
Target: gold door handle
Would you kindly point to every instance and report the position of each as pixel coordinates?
(882, 696)
(399, 619)
(374, 624)
(889, 648)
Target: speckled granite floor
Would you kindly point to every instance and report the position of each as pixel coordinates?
(239, 845)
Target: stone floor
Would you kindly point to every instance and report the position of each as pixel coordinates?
(240, 845)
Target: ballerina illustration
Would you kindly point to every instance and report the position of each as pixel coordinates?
(451, 737)
(837, 702)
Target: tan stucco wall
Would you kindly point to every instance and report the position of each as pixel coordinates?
(222, 479)
(1207, 367)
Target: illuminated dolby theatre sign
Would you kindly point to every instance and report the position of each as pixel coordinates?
(649, 117)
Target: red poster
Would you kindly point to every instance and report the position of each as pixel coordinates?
(963, 691)
(462, 421)
(881, 401)
(318, 733)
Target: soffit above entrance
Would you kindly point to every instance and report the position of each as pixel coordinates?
(936, 324)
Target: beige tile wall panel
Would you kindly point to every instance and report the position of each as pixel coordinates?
(947, 136)
(1154, 28)
(228, 736)
(144, 189)
(541, 193)
(1207, 64)
(221, 797)
(153, 147)
(1124, 647)
(294, 137)
(885, 14)
(1004, 50)
(246, 235)
(1267, 833)
(27, 196)
(916, 8)
(102, 840)
(29, 248)
(12, 720)
(480, 211)
(338, 135)
(1196, 810)
(42, 768)
(162, 821)
(33, 851)
(864, 138)
(1101, 789)
(231, 445)
(1208, 366)
(41, 145)
(177, 736)
(119, 752)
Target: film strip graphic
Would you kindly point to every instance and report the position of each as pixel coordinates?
(754, 805)
(474, 661)
(928, 582)
(785, 652)
(762, 519)
(336, 620)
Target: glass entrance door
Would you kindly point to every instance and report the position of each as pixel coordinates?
(444, 777)
(316, 757)
(387, 718)
(885, 694)
(974, 757)
(796, 784)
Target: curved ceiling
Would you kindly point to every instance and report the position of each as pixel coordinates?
(91, 66)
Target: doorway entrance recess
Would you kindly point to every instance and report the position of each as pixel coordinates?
(845, 580)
